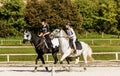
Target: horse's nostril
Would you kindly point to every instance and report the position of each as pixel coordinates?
(24, 41)
(27, 36)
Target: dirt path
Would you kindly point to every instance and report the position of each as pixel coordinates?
(91, 71)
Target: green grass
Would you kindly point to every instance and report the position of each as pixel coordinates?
(17, 51)
(32, 51)
(97, 46)
(95, 42)
(94, 35)
(104, 57)
(106, 49)
(22, 58)
(3, 58)
(102, 42)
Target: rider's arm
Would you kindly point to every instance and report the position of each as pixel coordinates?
(48, 31)
(40, 34)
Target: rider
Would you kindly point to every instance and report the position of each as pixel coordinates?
(71, 35)
(45, 33)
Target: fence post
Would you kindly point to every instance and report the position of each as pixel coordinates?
(46, 57)
(92, 42)
(8, 58)
(116, 55)
(20, 42)
(53, 71)
(1, 42)
(86, 34)
(110, 41)
(102, 34)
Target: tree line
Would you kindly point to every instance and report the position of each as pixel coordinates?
(100, 15)
(85, 15)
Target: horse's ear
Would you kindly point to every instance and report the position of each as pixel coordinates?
(60, 28)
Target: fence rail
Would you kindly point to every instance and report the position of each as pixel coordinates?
(90, 41)
(47, 55)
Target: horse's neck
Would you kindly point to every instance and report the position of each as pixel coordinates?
(63, 33)
(35, 39)
(63, 40)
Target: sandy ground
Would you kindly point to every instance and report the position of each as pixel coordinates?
(78, 71)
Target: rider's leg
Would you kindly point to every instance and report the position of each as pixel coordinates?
(48, 42)
(74, 45)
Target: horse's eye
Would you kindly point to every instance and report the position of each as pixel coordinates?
(27, 35)
(57, 30)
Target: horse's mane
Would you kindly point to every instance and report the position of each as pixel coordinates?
(35, 37)
(64, 33)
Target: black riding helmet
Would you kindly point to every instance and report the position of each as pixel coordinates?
(68, 23)
(43, 20)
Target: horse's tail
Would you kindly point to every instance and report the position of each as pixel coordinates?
(89, 56)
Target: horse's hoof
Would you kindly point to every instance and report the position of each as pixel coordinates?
(35, 70)
(76, 62)
(46, 69)
(61, 62)
(85, 68)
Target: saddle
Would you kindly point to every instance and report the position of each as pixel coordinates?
(78, 44)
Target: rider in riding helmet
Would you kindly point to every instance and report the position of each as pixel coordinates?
(45, 32)
(71, 35)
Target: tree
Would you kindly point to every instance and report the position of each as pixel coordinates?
(106, 18)
(11, 18)
(118, 13)
(57, 13)
(98, 15)
(88, 9)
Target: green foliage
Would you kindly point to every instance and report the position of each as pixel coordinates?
(11, 18)
(100, 15)
(91, 15)
(106, 18)
(88, 9)
(57, 13)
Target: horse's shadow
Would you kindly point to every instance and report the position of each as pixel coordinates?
(56, 70)
(37, 70)
(31, 71)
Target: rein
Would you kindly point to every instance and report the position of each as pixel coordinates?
(61, 37)
(41, 44)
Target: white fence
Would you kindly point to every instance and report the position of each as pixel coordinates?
(2, 42)
(47, 55)
(92, 41)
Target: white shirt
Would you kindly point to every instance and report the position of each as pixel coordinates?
(71, 33)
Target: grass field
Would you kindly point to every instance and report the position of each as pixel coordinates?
(98, 42)
(32, 51)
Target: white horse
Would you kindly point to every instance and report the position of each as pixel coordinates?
(66, 50)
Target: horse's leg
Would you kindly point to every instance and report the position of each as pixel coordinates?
(55, 57)
(85, 60)
(77, 60)
(64, 56)
(36, 62)
(67, 59)
(42, 59)
(54, 54)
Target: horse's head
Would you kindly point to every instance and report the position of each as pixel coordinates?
(58, 33)
(27, 36)
(55, 33)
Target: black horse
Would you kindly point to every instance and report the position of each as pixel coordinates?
(40, 47)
